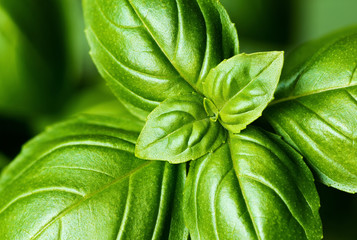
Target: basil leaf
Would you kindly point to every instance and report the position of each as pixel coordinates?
(316, 107)
(179, 130)
(150, 50)
(3, 161)
(266, 192)
(83, 172)
(37, 55)
(178, 229)
(240, 88)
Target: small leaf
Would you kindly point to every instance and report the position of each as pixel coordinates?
(179, 130)
(255, 187)
(241, 87)
(81, 180)
(316, 107)
(151, 50)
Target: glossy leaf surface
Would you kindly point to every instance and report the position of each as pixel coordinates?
(257, 187)
(81, 180)
(151, 50)
(316, 107)
(241, 87)
(179, 130)
(178, 230)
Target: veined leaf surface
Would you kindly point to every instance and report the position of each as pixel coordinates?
(240, 88)
(179, 130)
(81, 180)
(150, 50)
(316, 107)
(255, 187)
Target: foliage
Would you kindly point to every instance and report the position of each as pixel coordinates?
(181, 155)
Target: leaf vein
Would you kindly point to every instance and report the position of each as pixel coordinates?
(277, 192)
(41, 190)
(290, 98)
(111, 21)
(127, 68)
(323, 120)
(89, 196)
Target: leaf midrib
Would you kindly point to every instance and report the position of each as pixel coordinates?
(175, 131)
(89, 196)
(290, 98)
(160, 47)
(249, 83)
(256, 230)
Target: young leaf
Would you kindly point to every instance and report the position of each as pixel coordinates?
(316, 107)
(179, 130)
(150, 50)
(81, 180)
(266, 193)
(240, 88)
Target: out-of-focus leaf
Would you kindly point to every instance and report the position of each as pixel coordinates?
(3, 161)
(38, 55)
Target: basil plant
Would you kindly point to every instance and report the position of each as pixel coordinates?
(181, 155)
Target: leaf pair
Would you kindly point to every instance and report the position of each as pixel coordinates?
(185, 127)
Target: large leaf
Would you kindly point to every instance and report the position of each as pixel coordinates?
(81, 180)
(178, 230)
(316, 107)
(179, 130)
(240, 88)
(37, 57)
(267, 192)
(150, 50)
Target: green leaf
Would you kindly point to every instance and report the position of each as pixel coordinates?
(255, 187)
(178, 230)
(240, 88)
(179, 130)
(3, 161)
(316, 107)
(37, 63)
(150, 50)
(81, 180)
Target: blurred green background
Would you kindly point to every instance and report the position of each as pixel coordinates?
(47, 75)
